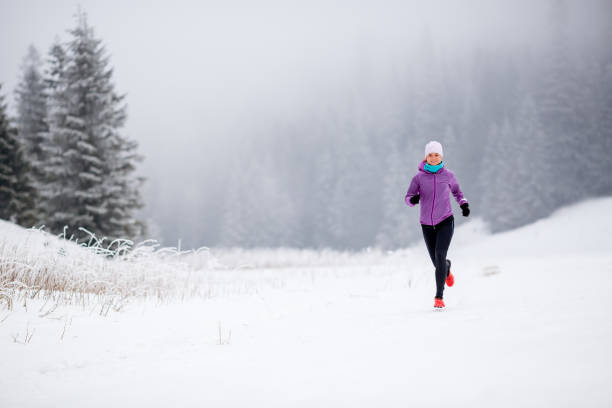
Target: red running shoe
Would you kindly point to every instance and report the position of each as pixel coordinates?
(450, 279)
(439, 303)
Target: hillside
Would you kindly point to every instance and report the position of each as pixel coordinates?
(526, 325)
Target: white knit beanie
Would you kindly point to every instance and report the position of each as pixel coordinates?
(433, 147)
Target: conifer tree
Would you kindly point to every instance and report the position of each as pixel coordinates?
(399, 225)
(32, 128)
(497, 195)
(323, 180)
(354, 205)
(237, 212)
(15, 191)
(530, 181)
(558, 99)
(98, 190)
(54, 192)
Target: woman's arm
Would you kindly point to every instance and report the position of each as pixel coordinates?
(454, 186)
(412, 190)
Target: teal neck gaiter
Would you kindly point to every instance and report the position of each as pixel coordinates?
(433, 169)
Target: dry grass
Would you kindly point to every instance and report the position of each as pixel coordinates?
(36, 264)
(104, 276)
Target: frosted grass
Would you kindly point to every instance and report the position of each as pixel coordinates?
(101, 275)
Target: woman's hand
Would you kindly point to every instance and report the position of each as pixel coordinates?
(415, 199)
(465, 209)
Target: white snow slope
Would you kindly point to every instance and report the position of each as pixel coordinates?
(526, 325)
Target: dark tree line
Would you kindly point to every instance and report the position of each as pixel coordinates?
(526, 128)
(65, 162)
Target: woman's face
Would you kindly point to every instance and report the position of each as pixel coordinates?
(433, 159)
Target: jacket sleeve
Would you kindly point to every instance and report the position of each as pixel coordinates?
(413, 190)
(454, 186)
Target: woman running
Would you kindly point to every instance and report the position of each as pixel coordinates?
(431, 186)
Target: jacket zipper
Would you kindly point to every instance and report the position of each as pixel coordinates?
(433, 202)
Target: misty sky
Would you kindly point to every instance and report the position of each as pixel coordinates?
(208, 65)
(200, 74)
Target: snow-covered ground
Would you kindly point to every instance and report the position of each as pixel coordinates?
(527, 324)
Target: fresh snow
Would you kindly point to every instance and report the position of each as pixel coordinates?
(526, 325)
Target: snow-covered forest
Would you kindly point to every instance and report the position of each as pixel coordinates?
(523, 119)
(205, 203)
(522, 126)
(66, 165)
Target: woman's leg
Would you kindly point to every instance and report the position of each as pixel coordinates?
(429, 233)
(444, 234)
(431, 238)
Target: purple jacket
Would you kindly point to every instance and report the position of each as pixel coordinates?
(434, 190)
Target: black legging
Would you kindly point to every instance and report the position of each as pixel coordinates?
(437, 239)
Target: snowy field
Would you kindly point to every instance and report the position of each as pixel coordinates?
(527, 324)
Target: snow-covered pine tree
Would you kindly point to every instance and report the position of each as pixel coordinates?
(323, 183)
(605, 119)
(557, 102)
(56, 65)
(237, 213)
(593, 156)
(275, 222)
(100, 191)
(497, 170)
(354, 210)
(15, 191)
(32, 127)
(54, 192)
(399, 224)
(596, 105)
(531, 182)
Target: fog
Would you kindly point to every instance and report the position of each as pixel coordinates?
(210, 83)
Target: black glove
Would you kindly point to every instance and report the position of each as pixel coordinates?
(415, 199)
(465, 209)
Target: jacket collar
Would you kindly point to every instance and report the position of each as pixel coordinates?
(422, 168)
